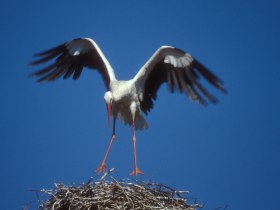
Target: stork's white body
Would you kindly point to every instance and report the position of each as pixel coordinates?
(127, 104)
(128, 100)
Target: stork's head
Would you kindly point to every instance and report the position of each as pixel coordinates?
(108, 96)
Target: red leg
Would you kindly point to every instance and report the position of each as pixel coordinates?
(136, 170)
(101, 168)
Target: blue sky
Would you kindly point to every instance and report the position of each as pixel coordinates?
(225, 154)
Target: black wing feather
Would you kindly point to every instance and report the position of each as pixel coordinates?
(183, 79)
(208, 75)
(153, 83)
(50, 51)
(47, 55)
(66, 64)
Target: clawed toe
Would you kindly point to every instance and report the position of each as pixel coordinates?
(136, 171)
(101, 168)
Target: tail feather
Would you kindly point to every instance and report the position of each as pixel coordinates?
(140, 123)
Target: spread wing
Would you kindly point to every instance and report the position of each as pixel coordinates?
(70, 59)
(180, 71)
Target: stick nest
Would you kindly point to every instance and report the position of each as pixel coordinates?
(115, 195)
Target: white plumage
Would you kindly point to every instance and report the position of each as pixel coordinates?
(130, 99)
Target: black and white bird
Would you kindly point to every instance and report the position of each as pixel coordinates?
(128, 100)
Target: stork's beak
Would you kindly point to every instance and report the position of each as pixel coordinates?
(109, 106)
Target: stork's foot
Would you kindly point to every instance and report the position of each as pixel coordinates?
(101, 168)
(136, 171)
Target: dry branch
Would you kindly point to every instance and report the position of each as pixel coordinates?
(113, 194)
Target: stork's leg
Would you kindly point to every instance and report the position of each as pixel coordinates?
(136, 170)
(101, 168)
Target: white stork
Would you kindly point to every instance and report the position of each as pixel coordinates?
(128, 99)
